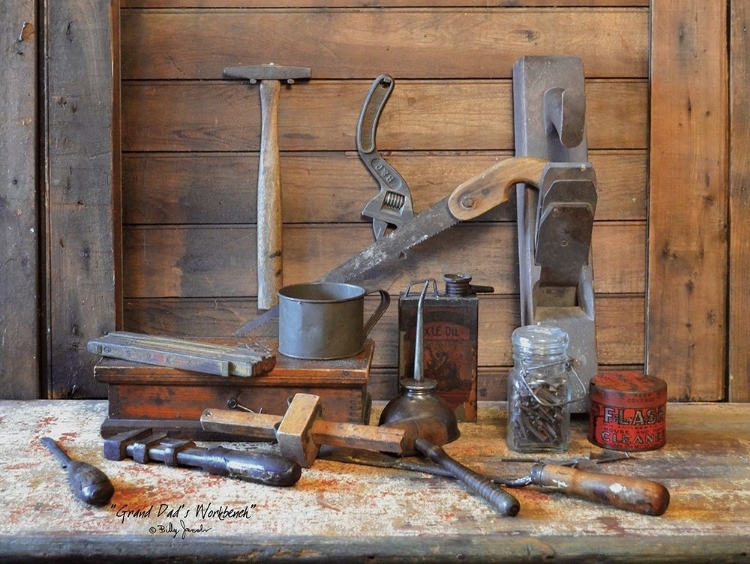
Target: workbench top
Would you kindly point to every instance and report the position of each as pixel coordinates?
(340, 511)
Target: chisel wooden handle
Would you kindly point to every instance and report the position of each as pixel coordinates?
(269, 259)
(624, 492)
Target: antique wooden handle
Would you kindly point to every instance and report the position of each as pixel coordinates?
(269, 257)
(491, 187)
(633, 494)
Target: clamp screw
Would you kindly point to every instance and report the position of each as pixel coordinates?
(467, 202)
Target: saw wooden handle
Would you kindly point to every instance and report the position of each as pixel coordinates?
(269, 220)
(633, 494)
(491, 187)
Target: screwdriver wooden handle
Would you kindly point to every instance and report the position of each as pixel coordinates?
(633, 494)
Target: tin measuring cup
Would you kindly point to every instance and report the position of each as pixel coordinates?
(324, 321)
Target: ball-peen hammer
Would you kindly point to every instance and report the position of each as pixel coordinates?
(269, 220)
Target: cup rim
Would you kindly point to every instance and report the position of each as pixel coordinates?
(321, 292)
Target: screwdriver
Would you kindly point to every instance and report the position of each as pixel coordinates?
(89, 483)
(625, 492)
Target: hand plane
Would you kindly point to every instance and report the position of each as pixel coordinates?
(555, 222)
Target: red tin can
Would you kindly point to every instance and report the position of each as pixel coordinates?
(628, 411)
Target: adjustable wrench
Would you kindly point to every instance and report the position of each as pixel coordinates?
(392, 205)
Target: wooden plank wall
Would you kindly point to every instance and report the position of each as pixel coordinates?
(81, 189)
(19, 265)
(739, 204)
(688, 221)
(190, 152)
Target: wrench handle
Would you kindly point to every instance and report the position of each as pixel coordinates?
(632, 494)
(269, 220)
(503, 502)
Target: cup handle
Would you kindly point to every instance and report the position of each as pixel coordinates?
(385, 301)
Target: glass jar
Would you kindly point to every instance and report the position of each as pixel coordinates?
(539, 395)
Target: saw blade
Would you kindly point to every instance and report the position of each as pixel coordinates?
(360, 268)
(425, 225)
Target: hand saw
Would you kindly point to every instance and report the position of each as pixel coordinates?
(471, 199)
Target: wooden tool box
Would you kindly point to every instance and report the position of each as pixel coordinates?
(170, 399)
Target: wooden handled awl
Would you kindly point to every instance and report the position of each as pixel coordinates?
(625, 492)
(300, 432)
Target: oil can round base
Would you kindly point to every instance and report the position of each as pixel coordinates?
(628, 411)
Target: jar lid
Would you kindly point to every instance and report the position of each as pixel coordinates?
(540, 339)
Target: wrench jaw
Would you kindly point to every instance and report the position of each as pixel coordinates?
(389, 207)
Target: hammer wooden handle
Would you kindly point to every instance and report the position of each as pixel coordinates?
(269, 220)
(633, 494)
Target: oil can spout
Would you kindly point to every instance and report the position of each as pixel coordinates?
(418, 399)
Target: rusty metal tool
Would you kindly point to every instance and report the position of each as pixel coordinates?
(269, 254)
(208, 358)
(392, 205)
(301, 431)
(624, 492)
(89, 483)
(581, 462)
(471, 199)
(143, 446)
(555, 220)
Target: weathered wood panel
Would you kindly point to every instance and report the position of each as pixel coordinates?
(322, 116)
(333, 187)
(219, 261)
(449, 43)
(82, 156)
(686, 306)
(19, 237)
(151, 4)
(739, 205)
(191, 141)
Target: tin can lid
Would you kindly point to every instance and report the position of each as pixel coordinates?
(629, 388)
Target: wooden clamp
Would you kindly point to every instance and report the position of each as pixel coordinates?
(300, 432)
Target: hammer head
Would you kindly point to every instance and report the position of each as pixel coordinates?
(254, 73)
(294, 434)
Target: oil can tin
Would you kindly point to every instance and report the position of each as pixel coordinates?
(450, 340)
(628, 411)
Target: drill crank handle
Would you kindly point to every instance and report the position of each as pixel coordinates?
(502, 501)
(624, 492)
